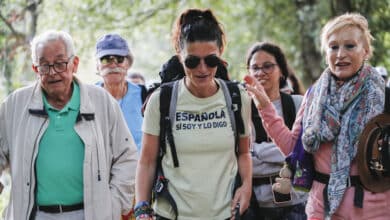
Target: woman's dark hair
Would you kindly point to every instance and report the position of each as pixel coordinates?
(275, 51)
(298, 88)
(197, 25)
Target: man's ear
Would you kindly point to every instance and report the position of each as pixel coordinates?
(130, 61)
(75, 64)
(34, 68)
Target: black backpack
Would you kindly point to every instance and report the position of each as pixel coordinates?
(171, 72)
(385, 136)
(387, 100)
(289, 113)
(144, 93)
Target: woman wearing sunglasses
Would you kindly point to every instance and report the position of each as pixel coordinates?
(267, 63)
(202, 184)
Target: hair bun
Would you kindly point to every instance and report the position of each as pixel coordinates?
(197, 25)
(191, 17)
(195, 15)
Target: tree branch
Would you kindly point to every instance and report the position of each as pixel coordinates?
(145, 15)
(9, 25)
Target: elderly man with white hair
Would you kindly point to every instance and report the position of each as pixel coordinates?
(113, 60)
(69, 150)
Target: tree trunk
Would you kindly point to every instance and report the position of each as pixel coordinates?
(307, 18)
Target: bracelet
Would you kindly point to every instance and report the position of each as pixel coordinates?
(143, 210)
(141, 203)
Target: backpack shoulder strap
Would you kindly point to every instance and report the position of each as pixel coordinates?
(234, 105)
(165, 97)
(148, 93)
(144, 93)
(288, 108)
(168, 99)
(289, 114)
(387, 100)
(235, 95)
(260, 134)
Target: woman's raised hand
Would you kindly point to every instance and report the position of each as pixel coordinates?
(257, 92)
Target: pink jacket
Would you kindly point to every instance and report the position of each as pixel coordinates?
(375, 205)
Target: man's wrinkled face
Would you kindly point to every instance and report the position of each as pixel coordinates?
(55, 69)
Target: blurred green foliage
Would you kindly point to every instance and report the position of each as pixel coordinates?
(295, 25)
(146, 24)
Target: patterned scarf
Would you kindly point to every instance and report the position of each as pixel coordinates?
(338, 114)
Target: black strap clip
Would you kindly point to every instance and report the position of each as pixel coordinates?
(160, 184)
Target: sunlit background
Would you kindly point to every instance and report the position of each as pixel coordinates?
(147, 24)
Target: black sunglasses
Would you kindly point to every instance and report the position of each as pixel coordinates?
(110, 58)
(192, 62)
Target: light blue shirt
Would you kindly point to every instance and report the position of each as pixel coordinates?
(131, 105)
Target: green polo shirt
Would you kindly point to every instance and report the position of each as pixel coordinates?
(59, 164)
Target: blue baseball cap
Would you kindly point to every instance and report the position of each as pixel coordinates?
(112, 44)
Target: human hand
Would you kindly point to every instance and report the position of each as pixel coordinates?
(241, 201)
(257, 92)
(145, 218)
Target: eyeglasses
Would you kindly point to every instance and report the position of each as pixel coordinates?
(266, 68)
(58, 67)
(111, 58)
(211, 61)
